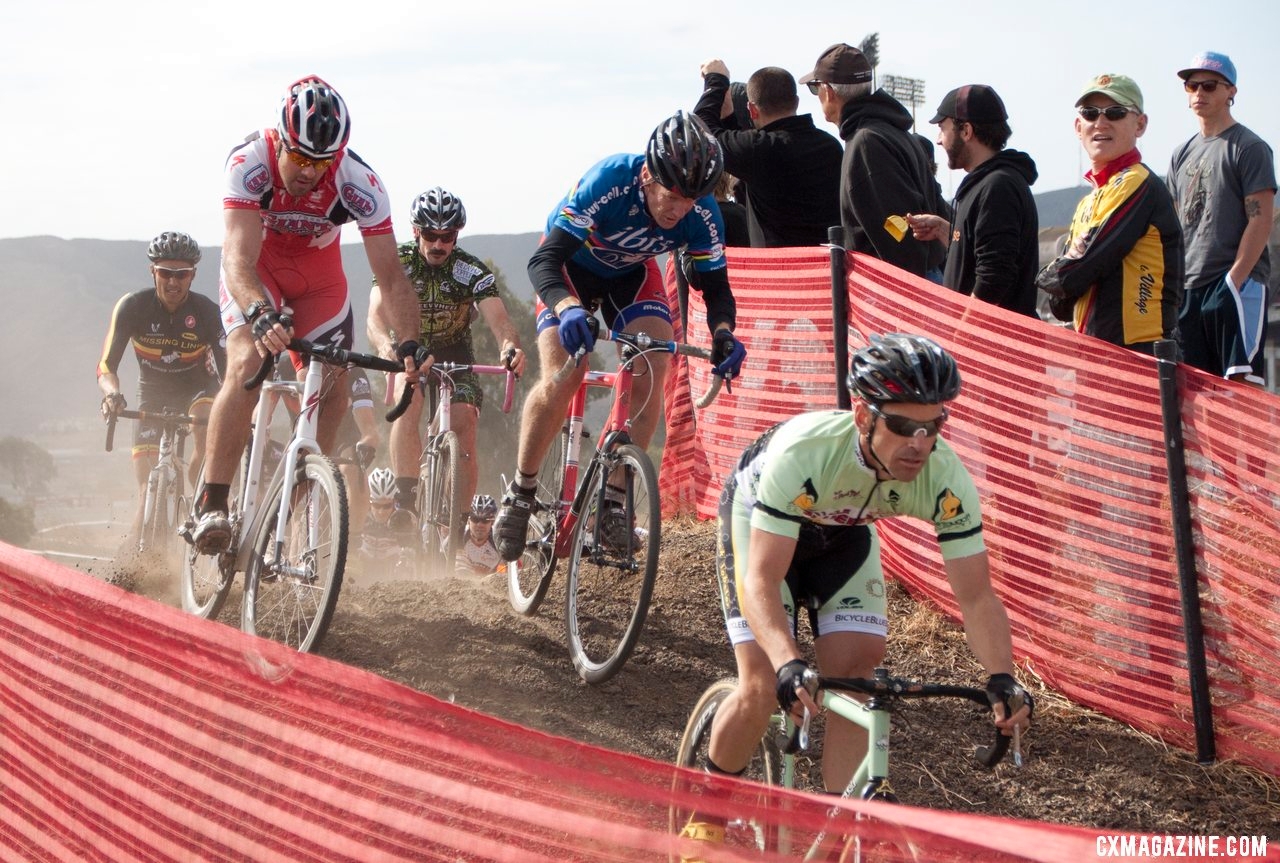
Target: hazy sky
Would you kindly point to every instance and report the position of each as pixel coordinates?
(120, 116)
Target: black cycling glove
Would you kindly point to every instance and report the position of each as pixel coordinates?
(411, 348)
(790, 678)
(1003, 688)
(266, 321)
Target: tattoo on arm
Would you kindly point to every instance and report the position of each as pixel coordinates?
(1252, 208)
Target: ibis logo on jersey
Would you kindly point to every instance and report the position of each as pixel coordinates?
(257, 180)
(807, 498)
(358, 200)
(639, 240)
(947, 507)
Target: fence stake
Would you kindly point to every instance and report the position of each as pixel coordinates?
(1166, 351)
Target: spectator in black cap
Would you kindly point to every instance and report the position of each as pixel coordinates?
(884, 172)
(993, 251)
(790, 166)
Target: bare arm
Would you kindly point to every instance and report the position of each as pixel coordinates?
(240, 250)
(393, 304)
(986, 625)
(770, 557)
(504, 332)
(1259, 208)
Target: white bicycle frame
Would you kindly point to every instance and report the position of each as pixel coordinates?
(303, 442)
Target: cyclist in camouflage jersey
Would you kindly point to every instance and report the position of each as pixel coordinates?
(453, 288)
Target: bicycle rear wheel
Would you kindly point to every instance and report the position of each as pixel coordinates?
(529, 577)
(291, 598)
(613, 561)
(764, 768)
(442, 509)
(207, 578)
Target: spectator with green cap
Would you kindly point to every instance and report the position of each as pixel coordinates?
(1120, 277)
(1223, 183)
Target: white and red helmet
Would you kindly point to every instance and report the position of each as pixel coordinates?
(314, 119)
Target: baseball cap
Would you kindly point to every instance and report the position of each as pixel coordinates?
(1211, 61)
(840, 64)
(973, 103)
(1122, 88)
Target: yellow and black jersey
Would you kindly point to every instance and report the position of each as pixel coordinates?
(183, 350)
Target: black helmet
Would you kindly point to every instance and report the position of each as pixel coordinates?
(174, 246)
(904, 368)
(684, 156)
(314, 119)
(438, 210)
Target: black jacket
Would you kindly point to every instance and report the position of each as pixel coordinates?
(791, 168)
(884, 174)
(995, 250)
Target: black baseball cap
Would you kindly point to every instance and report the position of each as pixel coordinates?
(972, 103)
(840, 64)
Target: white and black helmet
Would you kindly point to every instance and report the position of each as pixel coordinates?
(438, 210)
(313, 119)
(684, 156)
(174, 246)
(897, 367)
(382, 485)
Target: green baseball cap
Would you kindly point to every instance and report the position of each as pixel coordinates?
(1122, 88)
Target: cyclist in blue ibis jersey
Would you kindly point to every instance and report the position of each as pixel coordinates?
(795, 530)
(599, 254)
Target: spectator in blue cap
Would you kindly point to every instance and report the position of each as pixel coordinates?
(1224, 184)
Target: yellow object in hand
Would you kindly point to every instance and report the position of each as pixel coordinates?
(896, 226)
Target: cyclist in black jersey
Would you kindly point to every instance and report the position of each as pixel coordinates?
(177, 339)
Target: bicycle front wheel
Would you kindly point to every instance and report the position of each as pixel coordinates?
(613, 561)
(442, 510)
(529, 577)
(291, 588)
(207, 578)
(765, 767)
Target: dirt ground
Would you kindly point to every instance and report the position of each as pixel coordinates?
(458, 639)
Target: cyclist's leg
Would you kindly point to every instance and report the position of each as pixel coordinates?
(324, 316)
(644, 310)
(405, 441)
(850, 626)
(199, 409)
(463, 419)
(145, 453)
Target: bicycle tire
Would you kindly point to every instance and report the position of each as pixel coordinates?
(764, 768)
(293, 602)
(443, 509)
(207, 578)
(530, 575)
(610, 579)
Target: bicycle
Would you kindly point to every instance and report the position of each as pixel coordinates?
(773, 762)
(165, 495)
(289, 528)
(441, 505)
(610, 569)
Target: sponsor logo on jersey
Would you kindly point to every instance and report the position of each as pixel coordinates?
(155, 328)
(807, 498)
(190, 323)
(257, 180)
(947, 507)
(875, 587)
(358, 200)
(464, 272)
(578, 220)
(850, 602)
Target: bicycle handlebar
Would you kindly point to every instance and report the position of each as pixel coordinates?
(892, 688)
(447, 368)
(160, 416)
(332, 355)
(643, 342)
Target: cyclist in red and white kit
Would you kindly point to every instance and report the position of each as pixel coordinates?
(288, 192)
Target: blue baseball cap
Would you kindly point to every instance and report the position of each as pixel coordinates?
(1211, 61)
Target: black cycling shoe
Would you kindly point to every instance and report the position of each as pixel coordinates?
(511, 527)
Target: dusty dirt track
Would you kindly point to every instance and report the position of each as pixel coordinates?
(459, 639)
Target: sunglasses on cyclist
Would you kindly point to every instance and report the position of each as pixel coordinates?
(174, 272)
(305, 162)
(907, 427)
(440, 236)
(1208, 86)
(1114, 113)
(478, 520)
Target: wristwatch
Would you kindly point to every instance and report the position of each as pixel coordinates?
(256, 308)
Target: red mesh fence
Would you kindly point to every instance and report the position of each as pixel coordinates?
(130, 731)
(1063, 434)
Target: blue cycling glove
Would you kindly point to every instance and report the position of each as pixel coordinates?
(575, 332)
(727, 354)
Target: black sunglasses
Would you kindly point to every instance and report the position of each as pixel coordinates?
(1114, 113)
(1208, 86)
(813, 86)
(907, 427)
